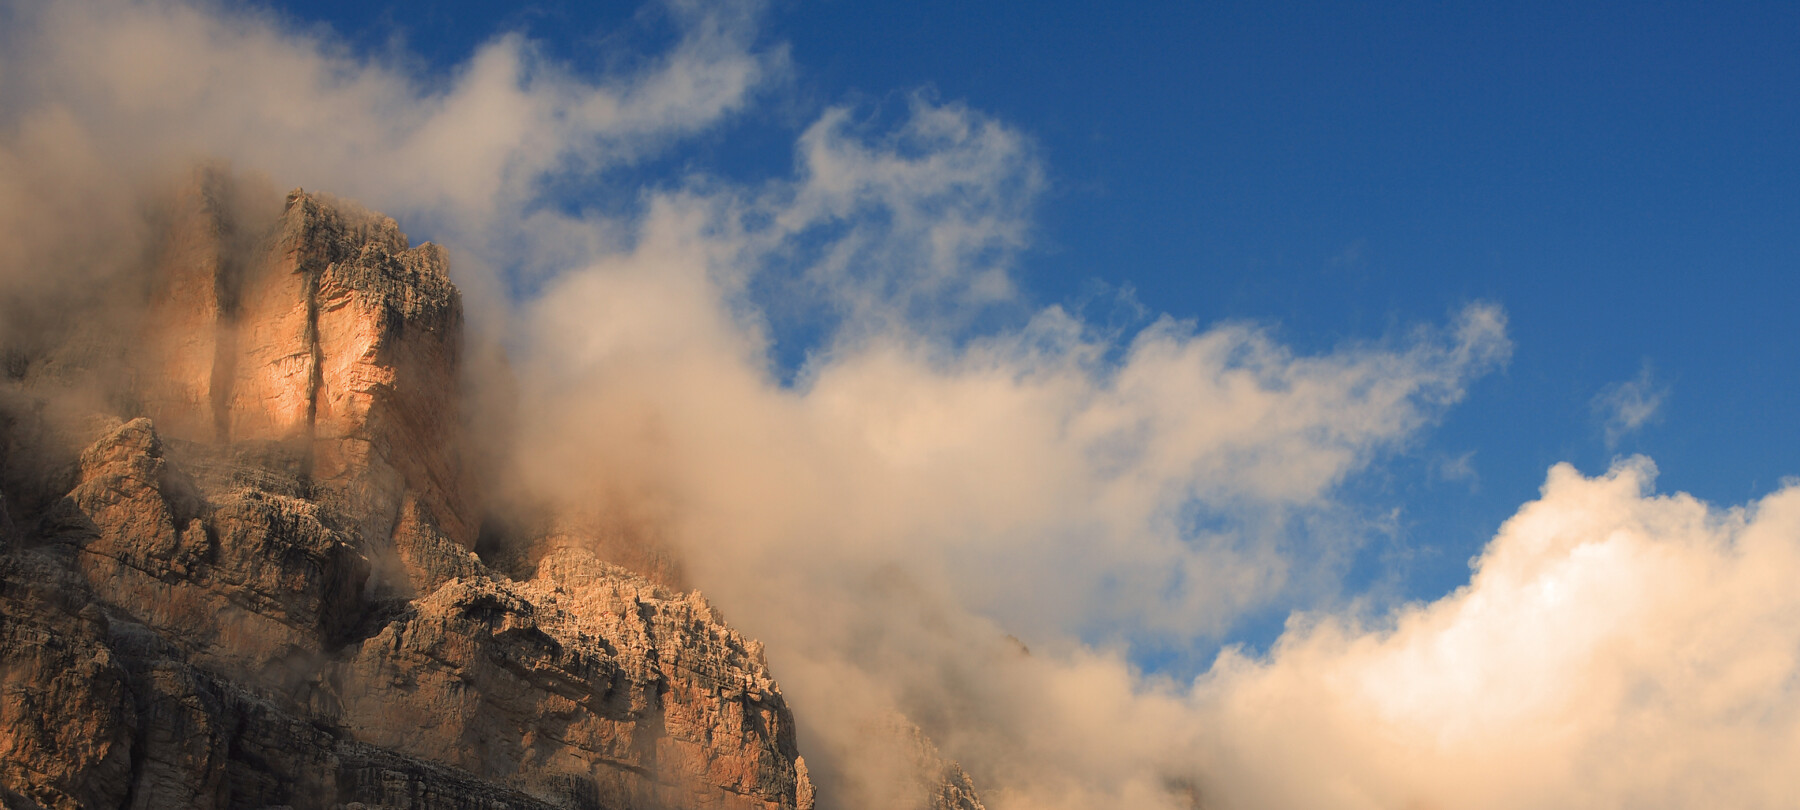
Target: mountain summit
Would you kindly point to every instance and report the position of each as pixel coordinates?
(238, 528)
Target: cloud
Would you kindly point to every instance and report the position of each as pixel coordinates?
(939, 205)
(1623, 407)
(1615, 648)
(147, 88)
(1055, 488)
(923, 488)
(1459, 468)
(935, 479)
(1352, 255)
(919, 493)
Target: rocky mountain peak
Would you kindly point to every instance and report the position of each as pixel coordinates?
(244, 577)
(322, 330)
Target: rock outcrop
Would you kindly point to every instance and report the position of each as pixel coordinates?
(249, 579)
(326, 333)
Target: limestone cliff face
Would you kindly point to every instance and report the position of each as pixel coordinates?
(253, 584)
(325, 332)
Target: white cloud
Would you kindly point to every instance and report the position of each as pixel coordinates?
(939, 206)
(1614, 649)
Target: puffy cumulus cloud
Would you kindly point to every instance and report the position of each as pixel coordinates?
(1614, 648)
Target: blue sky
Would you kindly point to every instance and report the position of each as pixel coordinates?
(1620, 178)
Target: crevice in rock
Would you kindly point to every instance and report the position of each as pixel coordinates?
(315, 361)
(227, 285)
(374, 618)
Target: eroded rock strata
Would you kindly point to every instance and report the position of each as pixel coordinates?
(244, 576)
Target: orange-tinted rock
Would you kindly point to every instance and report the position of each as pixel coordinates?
(251, 585)
(586, 674)
(67, 721)
(318, 327)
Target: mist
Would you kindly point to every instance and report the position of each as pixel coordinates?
(963, 507)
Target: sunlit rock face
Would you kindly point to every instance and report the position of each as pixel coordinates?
(323, 330)
(505, 675)
(245, 577)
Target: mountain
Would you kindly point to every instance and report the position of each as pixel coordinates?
(241, 500)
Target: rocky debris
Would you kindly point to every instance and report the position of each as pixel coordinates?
(252, 584)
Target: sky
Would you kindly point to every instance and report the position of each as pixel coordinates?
(1289, 406)
(1617, 177)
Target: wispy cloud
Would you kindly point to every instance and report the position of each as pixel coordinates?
(1351, 256)
(1624, 407)
(1459, 468)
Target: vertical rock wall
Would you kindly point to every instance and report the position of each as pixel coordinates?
(323, 330)
(256, 588)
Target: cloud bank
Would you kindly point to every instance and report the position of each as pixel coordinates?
(962, 506)
(1615, 648)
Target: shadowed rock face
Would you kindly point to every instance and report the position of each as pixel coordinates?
(252, 584)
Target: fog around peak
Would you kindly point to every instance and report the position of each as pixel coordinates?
(964, 505)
